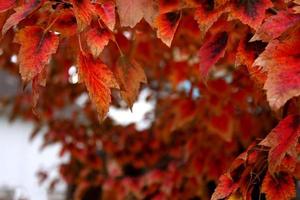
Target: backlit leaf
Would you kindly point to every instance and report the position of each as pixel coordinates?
(281, 60)
(35, 51)
(282, 141)
(97, 39)
(167, 25)
(21, 13)
(280, 187)
(98, 79)
(106, 11)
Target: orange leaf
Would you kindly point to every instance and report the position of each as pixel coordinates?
(98, 79)
(225, 187)
(21, 13)
(282, 140)
(106, 11)
(7, 4)
(281, 187)
(83, 10)
(281, 60)
(35, 51)
(97, 39)
(167, 25)
(129, 75)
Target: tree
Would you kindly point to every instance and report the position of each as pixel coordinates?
(224, 76)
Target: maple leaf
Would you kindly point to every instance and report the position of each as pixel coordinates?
(211, 51)
(206, 17)
(21, 13)
(65, 23)
(167, 24)
(282, 140)
(280, 187)
(275, 25)
(168, 6)
(83, 10)
(131, 12)
(225, 187)
(6, 5)
(97, 39)
(106, 11)
(35, 51)
(129, 75)
(281, 61)
(250, 12)
(98, 79)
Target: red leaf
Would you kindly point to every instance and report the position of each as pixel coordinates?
(106, 11)
(98, 79)
(38, 82)
(129, 75)
(167, 25)
(281, 60)
(211, 51)
(250, 12)
(282, 140)
(97, 39)
(225, 187)
(21, 13)
(275, 25)
(83, 10)
(206, 17)
(65, 23)
(35, 51)
(168, 6)
(281, 187)
(6, 4)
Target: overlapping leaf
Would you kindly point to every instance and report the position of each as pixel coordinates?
(130, 75)
(21, 13)
(282, 141)
(106, 11)
(84, 11)
(282, 62)
(97, 39)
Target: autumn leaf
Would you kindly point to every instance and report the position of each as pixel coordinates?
(279, 187)
(167, 25)
(129, 75)
(83, 10)
(250, 12)
(65, 23)
(282, 141)
(98, 79)
(168, 6)
(21, 13)
(206, 17)
(275, 25)
(35, 51)
(282, 62)
(106, 12)
(211, 51)
(97, 39)
(225, 187)
(131, 12)
(38, 82)
(6, 5)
